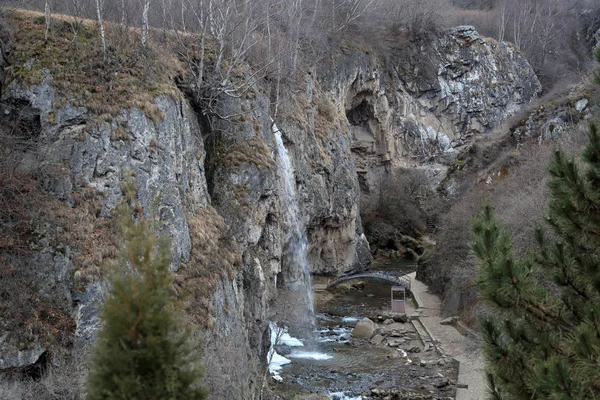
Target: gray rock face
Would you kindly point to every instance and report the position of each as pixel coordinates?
(12, 358)
(413, 109)
(166, 160)
(76, 152)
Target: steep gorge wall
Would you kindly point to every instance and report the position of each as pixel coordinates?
(216, 192)
(415, 106)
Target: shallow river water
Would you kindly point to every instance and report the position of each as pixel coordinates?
(334, 364)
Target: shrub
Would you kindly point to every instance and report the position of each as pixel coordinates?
(142, 350)
(542, 338)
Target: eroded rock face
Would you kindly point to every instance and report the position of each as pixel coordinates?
(427, 99)
(77, 152)
(166, 159)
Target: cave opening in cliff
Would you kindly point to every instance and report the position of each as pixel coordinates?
(360, 114)
(21, 120)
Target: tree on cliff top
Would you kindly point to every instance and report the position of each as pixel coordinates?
(142, 350)
(542, 337)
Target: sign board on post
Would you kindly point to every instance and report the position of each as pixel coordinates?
(398, 299)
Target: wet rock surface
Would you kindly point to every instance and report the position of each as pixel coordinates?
(392, 363)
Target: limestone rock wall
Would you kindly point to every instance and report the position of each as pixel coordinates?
(426, 99)
(223, 214)
(215, 189)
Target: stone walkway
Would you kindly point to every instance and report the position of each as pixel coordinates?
(452, 342)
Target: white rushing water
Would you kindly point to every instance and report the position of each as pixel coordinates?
(300, 269)
(280, 336)
(297, 277)
(343, 396)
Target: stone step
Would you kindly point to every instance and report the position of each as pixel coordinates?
(423, 334)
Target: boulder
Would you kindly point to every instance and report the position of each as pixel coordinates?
(442, 383)
(365, 329)
(377, 340)
(581, 105)
(396, 317)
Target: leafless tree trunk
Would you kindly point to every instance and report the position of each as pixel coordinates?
(123, 25)
(47, 19)
(99, 6)
(219, 15)
(145, 24)
(295, 22)
(502, 11)
(183, 15)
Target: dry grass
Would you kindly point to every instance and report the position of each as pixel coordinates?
(214, 255)
(57, 382)
(254, 152)
(515, 184)
(94, 239)
(128, 76)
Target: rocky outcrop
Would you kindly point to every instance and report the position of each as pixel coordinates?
(223, 214)
(554, 119)
(215, 189)
(426, 99)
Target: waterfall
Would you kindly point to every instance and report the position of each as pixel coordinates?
(300, 280)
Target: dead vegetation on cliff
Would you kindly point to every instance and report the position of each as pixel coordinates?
(510, 172)
(127, 76)
(214, 256)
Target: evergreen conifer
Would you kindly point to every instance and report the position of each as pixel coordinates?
(142, 351)
(542, 333)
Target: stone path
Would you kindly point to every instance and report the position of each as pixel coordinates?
(452, 342)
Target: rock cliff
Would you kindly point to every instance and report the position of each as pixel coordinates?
(214, 188)
(424, 99)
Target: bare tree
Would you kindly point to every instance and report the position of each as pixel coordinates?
(75, 12)
(351, 10)
(99, 10)
(145, 24)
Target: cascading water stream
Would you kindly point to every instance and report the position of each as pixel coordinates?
(298, 279)
(300, 270)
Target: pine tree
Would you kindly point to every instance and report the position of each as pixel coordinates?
(142, 351)
(542, 333)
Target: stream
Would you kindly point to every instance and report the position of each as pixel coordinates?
(337, 366)
(318, 355)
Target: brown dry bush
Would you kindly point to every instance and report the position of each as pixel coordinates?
(399, 201)
(516, 187)
(214, 256)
